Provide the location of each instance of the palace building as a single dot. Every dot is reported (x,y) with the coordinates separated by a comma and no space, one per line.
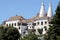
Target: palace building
(40,21)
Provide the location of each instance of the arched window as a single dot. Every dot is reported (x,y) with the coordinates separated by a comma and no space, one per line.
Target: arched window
(19,27)
(9,24)
(12,24)
(45,28)
(45,22)
(41,23)
(15,24)
(38,23)
(6,24)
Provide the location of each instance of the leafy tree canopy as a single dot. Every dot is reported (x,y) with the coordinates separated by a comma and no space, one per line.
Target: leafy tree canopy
(9,33)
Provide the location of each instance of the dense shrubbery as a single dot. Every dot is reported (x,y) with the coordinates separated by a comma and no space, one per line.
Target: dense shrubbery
(9,33)
(30,36)
(54,30)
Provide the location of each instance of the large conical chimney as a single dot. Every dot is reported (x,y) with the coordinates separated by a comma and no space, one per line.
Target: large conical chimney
(50,14)
(42,10)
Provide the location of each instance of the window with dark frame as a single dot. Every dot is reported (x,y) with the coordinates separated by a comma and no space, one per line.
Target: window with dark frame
(15,24)
(34,24)
(24,24)
(7,24)
(41,23)
(45,22)
(30,26)
(19,27)
(19,24)
(38,23)
(12,24)
(45,28)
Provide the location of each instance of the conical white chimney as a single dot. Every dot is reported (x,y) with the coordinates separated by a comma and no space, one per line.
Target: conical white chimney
(42,11)
(50,14)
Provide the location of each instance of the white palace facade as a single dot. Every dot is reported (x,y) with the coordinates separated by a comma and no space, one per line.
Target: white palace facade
(40,21)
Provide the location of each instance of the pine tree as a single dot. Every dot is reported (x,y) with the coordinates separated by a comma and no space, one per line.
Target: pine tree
(54,30)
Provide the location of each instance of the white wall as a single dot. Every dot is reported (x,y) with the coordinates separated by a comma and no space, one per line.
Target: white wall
(30,25)
(10,22)
(41,26)
(22,28)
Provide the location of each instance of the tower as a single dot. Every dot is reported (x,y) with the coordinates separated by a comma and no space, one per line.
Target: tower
(49,14)
(42,10)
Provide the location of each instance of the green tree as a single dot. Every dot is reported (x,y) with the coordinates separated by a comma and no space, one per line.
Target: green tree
(9,33)
(30,36)
(54,30)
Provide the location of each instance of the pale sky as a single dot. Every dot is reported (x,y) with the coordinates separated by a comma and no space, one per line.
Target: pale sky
(25,8)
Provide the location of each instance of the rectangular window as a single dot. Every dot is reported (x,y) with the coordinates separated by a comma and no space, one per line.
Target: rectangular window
(9,24)
(45,28)
(12,24)
(19,24)
(6,24)
(30,26)
(24,24)
(34,24)
(38,23)
(15,24)
(41,23)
